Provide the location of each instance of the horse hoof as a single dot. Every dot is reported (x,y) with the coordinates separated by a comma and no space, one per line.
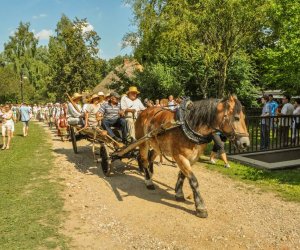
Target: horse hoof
(180,198)
(202,213)
(151,187)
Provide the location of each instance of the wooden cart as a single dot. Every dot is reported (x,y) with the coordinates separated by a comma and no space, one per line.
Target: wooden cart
(110,150)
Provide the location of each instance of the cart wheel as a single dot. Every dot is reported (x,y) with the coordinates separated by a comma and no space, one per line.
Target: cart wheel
(105,160)
(73,139)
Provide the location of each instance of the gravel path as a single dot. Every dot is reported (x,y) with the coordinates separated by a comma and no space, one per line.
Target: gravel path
(120,213)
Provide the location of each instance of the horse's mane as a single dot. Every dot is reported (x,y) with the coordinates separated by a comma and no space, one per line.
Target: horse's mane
(204,112)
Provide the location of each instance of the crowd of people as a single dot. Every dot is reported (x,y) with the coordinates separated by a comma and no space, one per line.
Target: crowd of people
(277,115)
(112,110)
(94,111)
(105,112)
(9,115)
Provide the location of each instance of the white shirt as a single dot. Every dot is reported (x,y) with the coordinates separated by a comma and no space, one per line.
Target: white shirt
(297,111)
(287,109)
(172,105)
(136,104)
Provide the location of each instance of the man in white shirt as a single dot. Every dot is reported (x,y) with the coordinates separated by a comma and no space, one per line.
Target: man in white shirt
(132,106)
(285,122)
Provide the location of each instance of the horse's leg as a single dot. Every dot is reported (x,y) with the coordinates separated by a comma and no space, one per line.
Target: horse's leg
(152,155)
(186,169)
(144,154)
(179,196)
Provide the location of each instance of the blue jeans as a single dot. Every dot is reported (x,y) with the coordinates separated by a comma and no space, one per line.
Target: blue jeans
(119,122)
(264,136)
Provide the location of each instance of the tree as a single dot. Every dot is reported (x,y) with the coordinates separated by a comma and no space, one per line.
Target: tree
(279,57)
(74,64)
(20,51)
(9,85)
(203,37)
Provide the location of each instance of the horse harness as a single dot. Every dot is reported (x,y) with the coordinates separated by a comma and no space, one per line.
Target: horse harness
(192,135)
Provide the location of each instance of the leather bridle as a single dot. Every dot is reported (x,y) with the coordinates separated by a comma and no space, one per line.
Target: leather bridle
(234,134)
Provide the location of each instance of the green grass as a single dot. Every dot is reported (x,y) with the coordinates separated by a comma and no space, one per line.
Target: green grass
(31,208)
(286,183)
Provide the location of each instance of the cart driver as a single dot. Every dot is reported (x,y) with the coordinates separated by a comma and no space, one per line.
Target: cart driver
(113,116)
(132,106)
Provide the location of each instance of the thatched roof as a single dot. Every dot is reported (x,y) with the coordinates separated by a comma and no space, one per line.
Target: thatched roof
(128,68)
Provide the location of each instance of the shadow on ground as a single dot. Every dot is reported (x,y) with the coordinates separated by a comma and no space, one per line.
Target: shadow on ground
(127,179)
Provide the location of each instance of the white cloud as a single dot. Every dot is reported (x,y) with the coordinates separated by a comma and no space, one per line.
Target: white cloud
(39,16)
(44,34)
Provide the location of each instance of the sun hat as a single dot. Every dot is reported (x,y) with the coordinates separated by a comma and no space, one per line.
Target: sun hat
(94,96)
(101,93)
(133,89)
(76,96)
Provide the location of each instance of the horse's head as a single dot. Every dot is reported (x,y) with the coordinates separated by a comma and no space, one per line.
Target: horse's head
(232,122)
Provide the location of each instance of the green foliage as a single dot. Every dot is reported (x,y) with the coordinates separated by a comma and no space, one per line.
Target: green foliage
(74,65)
(20,51)
(241,79)
(31,208)
(199,40)
(9,85)
(158,81)
(279,59)
(30,63)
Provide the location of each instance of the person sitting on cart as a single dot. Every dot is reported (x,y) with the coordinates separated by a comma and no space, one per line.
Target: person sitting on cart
(75,115)
(113,116)
(91,112)
(132,106)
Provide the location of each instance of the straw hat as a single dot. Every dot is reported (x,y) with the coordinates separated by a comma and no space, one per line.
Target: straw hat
(76,96)
(101,93)
(94,96)
(133,89)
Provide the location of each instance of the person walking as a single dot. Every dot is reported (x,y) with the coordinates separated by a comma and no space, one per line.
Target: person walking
(7,126)
(219,143)
(25,113)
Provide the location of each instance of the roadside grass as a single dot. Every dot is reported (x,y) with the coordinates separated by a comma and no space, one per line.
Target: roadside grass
(31,209)
(286,183)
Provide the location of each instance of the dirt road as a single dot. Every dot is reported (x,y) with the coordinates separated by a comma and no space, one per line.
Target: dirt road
(120,213)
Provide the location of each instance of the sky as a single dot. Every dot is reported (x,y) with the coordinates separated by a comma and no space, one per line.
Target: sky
(111,19)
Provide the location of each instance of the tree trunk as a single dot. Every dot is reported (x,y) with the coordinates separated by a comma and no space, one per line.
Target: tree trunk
(222,78)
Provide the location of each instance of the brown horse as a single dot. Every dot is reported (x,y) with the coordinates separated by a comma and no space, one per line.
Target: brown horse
(205,118)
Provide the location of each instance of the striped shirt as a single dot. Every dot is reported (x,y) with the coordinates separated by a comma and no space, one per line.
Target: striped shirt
(110,111)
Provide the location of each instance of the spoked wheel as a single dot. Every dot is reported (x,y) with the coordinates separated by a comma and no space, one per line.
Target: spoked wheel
(105,160)
(73,139)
